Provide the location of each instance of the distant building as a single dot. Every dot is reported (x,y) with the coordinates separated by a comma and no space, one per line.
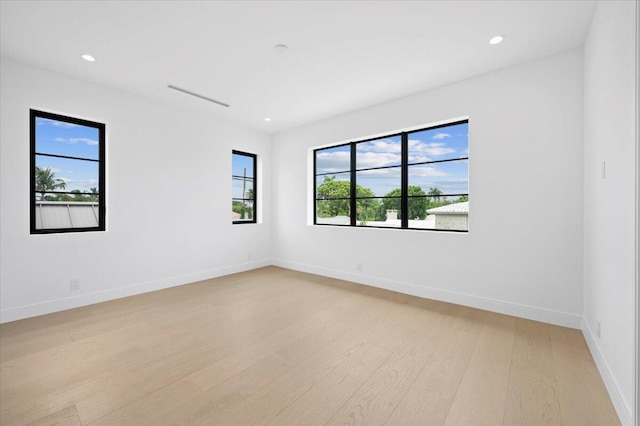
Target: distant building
(66,214)
(452,216)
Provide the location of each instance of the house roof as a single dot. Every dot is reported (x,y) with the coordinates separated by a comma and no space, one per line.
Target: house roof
(63,214)
(455,208)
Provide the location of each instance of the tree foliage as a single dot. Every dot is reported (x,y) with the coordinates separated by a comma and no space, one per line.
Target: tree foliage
(333,200)
(417,206)
(46,181)
(245,212)
(333,196)
(435,194)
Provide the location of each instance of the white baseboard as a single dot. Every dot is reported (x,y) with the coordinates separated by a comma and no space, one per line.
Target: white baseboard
(500,306)
(57,305)
(623,410)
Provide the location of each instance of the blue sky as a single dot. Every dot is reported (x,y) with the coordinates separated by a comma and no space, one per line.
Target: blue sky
(444,143)
(73,140)
(238,164)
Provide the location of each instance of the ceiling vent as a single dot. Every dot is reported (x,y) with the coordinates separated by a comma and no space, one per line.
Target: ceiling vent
(189,92)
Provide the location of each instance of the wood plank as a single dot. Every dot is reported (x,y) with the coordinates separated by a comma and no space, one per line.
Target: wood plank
(152,406)
(224,395)
(66,417)
(316,406)
(581,392)
(134,383)
(374,402)
(481,397)
(431,394)
(348,310)
(268,401)
(103,385)
(532,396)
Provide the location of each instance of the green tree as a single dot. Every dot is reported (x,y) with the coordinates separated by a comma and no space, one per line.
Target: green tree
(46,181)
(240,207)
(366,207)
(94,195)
(417,206)
(237,207)
(333,199)
(78,196)
(462,199)
(435,193)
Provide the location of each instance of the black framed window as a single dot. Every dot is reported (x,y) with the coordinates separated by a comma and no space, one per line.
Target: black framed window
(67,174)
(243,187)
(417,179)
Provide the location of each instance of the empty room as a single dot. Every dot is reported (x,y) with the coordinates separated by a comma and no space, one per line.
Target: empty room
(319,212)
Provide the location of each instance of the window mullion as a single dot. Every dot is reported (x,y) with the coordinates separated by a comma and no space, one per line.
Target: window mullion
(352,198)
(404,181)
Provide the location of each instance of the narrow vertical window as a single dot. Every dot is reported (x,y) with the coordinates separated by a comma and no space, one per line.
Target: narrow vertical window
(243,187)
(67,174)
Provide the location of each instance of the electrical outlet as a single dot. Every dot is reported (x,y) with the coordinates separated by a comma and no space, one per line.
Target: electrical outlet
(359,266)
(598,329)
(74,285)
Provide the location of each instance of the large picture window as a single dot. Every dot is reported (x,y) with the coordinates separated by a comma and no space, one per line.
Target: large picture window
(417,179)
(67,174)
(243,187)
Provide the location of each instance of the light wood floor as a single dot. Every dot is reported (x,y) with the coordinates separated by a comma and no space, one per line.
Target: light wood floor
(279,347)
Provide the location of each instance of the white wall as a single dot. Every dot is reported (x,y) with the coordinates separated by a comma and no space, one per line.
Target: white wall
(609,204)
(168,198)
(523,255)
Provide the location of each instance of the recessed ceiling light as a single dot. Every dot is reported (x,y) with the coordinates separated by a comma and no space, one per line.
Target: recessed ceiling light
(267,119)
(88,58)
(281,48)
(496,39)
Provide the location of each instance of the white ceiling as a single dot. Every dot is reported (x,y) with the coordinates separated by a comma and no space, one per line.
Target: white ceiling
(343,55)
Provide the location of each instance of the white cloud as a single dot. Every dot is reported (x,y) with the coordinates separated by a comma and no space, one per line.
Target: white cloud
(439,136)
(56,123)
(439,150)
(457,186)
(83,140)
(377,159)
(79,184)
(330,162)
(53,169)
(380,145)
(418,159)
(426,171)
(434,149)
(381,153)
(87,183)
(381,173)
(77,140)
